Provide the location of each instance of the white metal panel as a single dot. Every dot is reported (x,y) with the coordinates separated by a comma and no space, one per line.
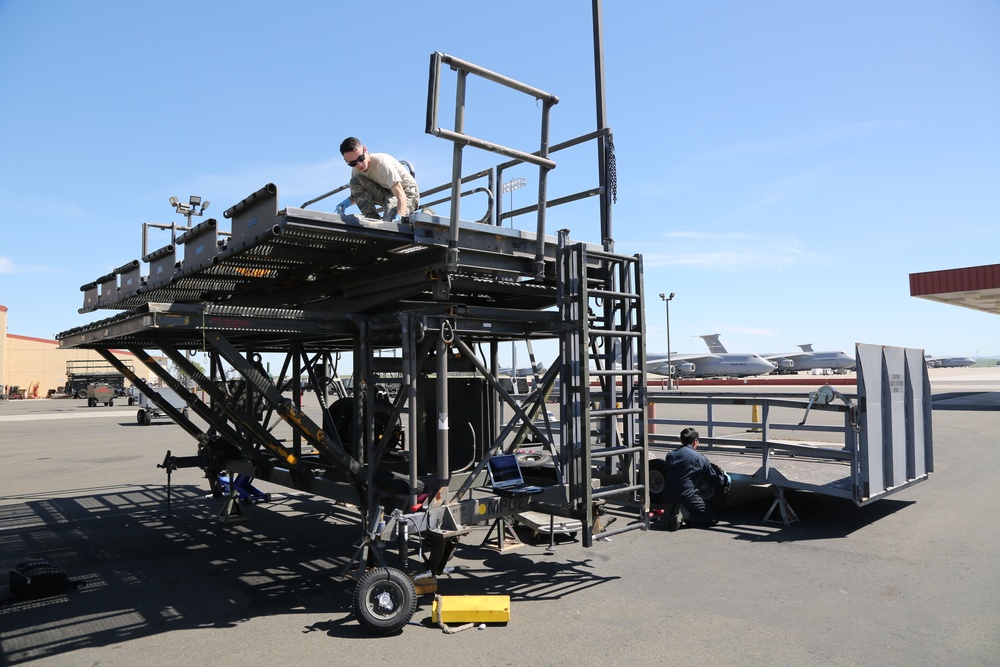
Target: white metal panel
(894,383)
(921,456)
(869,358)
(895,439)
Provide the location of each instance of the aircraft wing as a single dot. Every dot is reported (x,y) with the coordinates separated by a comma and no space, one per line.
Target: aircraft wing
(685,364)
(786,360)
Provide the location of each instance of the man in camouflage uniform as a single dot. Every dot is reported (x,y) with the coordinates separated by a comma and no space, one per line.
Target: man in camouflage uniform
(378,180)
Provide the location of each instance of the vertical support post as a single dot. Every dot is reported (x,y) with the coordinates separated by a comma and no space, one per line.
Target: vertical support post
(494,184)
(602,123)
(456,172)
(296,351)
(409,386)
(325,378)
(497,410)
(444,466)
(539,264)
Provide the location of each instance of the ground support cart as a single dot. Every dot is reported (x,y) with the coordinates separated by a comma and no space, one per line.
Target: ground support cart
(149,408)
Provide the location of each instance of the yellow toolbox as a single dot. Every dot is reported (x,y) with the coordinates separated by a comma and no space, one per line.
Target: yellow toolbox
(471,609)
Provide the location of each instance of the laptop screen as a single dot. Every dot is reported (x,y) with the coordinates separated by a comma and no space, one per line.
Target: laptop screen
(504,470)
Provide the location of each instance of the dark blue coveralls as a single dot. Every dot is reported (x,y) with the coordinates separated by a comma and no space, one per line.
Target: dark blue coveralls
(684,467)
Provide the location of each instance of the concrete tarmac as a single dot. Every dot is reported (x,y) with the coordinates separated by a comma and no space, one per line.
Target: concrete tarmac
(909,580)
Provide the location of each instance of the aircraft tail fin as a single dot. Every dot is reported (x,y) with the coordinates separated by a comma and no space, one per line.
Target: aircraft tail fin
(808,347)
(714,345)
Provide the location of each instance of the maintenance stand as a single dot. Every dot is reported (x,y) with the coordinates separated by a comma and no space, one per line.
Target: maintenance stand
(440,295)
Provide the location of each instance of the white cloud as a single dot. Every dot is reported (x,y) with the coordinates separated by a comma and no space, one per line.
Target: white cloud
(41,208)
(747,331)
(728,251)
(298,181)
(8,266)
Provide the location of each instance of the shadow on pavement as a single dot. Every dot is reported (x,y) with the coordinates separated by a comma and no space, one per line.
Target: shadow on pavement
(820,518)
(139,573)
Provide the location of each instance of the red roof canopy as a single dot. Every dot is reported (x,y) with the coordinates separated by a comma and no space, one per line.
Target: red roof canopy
(975,287)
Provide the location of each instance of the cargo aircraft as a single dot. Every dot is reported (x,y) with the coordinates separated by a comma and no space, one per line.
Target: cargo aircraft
(949,362)
(808,359)
(716,363)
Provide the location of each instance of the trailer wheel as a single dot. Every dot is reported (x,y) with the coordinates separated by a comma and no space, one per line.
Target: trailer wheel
(714,496)
(111,403)
(81,393)
(384,600)
(140,416)
(657,481)
(533,459)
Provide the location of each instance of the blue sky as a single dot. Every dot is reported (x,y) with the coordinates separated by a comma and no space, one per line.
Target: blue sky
(782,166)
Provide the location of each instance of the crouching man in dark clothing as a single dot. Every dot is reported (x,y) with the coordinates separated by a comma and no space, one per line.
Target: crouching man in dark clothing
(685,467)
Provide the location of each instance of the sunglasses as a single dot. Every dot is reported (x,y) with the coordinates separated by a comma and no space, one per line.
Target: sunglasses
(361,159)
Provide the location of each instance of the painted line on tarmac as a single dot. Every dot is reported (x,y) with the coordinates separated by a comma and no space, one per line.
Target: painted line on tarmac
(63,415)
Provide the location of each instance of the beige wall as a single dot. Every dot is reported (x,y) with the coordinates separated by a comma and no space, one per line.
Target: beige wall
(25,361)
(3,346)
(32,360)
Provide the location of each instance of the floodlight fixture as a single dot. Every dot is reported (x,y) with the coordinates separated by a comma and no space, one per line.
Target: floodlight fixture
(195,206)
(510,186)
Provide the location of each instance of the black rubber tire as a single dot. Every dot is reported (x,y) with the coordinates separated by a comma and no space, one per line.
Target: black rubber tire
(140,416)
(656,483)
(81,393)
(714,496)
(111,403)
(147,418)
(91,402)
(384,600)
(533,459)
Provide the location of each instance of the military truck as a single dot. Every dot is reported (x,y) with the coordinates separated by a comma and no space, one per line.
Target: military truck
(82,373)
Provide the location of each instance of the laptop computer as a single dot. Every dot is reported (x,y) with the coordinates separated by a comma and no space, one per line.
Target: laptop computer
(506,478)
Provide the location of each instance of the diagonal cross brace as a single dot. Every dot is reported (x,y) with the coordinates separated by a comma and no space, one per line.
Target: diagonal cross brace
(330,447)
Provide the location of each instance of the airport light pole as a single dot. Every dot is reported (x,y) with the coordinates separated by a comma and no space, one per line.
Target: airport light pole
(195,206)
(670,365)
(510,186)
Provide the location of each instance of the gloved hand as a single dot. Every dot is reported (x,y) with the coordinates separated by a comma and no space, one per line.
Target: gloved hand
(342,206)
(729,480)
